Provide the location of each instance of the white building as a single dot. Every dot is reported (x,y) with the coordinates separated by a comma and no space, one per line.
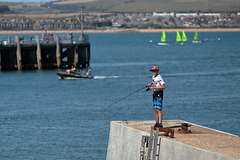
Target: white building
(164,14)
(186,14)
(210,14)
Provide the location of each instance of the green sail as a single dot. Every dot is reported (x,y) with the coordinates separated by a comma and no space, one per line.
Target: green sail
(178,38)
(163,39)
(184,37)
(196,35)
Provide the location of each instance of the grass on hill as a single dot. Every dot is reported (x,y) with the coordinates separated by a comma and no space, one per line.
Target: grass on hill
(125,6)
(156,5)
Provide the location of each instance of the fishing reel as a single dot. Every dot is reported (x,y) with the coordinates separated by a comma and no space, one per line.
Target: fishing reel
(148,88)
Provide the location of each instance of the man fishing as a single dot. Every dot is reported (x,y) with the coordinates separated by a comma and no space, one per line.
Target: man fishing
(158,85)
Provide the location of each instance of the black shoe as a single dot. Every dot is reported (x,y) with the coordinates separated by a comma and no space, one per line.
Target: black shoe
(160,125)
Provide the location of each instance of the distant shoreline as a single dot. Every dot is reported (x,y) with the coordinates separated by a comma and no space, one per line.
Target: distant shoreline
(123,31)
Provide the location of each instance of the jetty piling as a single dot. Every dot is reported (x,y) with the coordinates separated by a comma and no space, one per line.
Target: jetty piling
(58,52)
(39,59)
(38,54)
(75,56)
(19,56)
(9,39)
(0,62)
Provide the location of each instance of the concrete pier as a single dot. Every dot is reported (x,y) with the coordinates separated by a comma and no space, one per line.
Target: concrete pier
(200,143)
(20,55)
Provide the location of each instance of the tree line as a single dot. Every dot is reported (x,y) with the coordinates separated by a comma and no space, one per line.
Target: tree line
(4,8)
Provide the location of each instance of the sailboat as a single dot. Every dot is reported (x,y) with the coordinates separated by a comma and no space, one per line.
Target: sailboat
(196,40)
(178,39)
(184,37)
(163,40)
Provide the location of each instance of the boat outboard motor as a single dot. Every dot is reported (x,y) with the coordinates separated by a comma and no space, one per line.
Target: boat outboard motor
(83,72)
(88,72)
(80,72)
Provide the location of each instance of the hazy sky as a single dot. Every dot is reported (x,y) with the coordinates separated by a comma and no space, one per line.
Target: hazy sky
(26,0)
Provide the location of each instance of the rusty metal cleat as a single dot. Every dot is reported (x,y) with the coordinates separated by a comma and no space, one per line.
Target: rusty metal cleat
(168,130)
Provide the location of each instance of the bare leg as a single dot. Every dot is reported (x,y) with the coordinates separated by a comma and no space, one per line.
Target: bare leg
(156,115)
(160,116)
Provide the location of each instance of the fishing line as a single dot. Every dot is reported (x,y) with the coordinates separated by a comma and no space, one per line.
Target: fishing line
(130,95)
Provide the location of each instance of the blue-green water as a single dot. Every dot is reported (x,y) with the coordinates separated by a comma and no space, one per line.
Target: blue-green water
(43,117)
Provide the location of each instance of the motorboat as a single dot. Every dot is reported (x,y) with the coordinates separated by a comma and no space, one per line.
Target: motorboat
(65,75)
(70,75)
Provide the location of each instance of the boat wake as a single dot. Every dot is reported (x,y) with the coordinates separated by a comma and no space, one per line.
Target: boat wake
(105,77)
(135,76)
(216,73)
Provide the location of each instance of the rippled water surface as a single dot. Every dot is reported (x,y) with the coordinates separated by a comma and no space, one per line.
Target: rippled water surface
(43,117)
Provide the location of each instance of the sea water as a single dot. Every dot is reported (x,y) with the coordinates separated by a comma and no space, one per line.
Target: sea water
(43,117)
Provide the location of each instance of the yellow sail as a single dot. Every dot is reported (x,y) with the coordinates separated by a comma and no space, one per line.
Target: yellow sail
(184,37)
(178,38)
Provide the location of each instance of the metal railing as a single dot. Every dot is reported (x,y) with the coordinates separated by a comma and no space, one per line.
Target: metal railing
(50,38)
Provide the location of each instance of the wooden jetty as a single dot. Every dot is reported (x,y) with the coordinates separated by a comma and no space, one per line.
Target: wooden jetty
(43,55)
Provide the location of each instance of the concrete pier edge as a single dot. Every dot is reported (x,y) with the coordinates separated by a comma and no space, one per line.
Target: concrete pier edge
(125,143)
(212,129)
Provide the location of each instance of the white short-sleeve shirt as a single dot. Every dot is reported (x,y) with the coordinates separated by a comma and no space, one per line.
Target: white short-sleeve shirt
(157,81)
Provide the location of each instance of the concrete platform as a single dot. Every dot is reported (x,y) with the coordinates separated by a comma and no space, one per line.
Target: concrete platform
(202,143)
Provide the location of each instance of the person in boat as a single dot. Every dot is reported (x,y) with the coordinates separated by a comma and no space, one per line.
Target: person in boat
(158,85)
(68,71)
(73,70)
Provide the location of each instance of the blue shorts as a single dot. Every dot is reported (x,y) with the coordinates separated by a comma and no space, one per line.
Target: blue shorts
(157,103)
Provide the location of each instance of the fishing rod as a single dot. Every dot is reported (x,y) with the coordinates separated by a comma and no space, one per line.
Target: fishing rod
(130,95)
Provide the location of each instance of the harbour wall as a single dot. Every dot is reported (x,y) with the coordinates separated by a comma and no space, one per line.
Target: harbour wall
(42,55)
(125,143)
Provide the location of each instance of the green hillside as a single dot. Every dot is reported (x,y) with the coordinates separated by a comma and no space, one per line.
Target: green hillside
(128,6)
(157,5)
